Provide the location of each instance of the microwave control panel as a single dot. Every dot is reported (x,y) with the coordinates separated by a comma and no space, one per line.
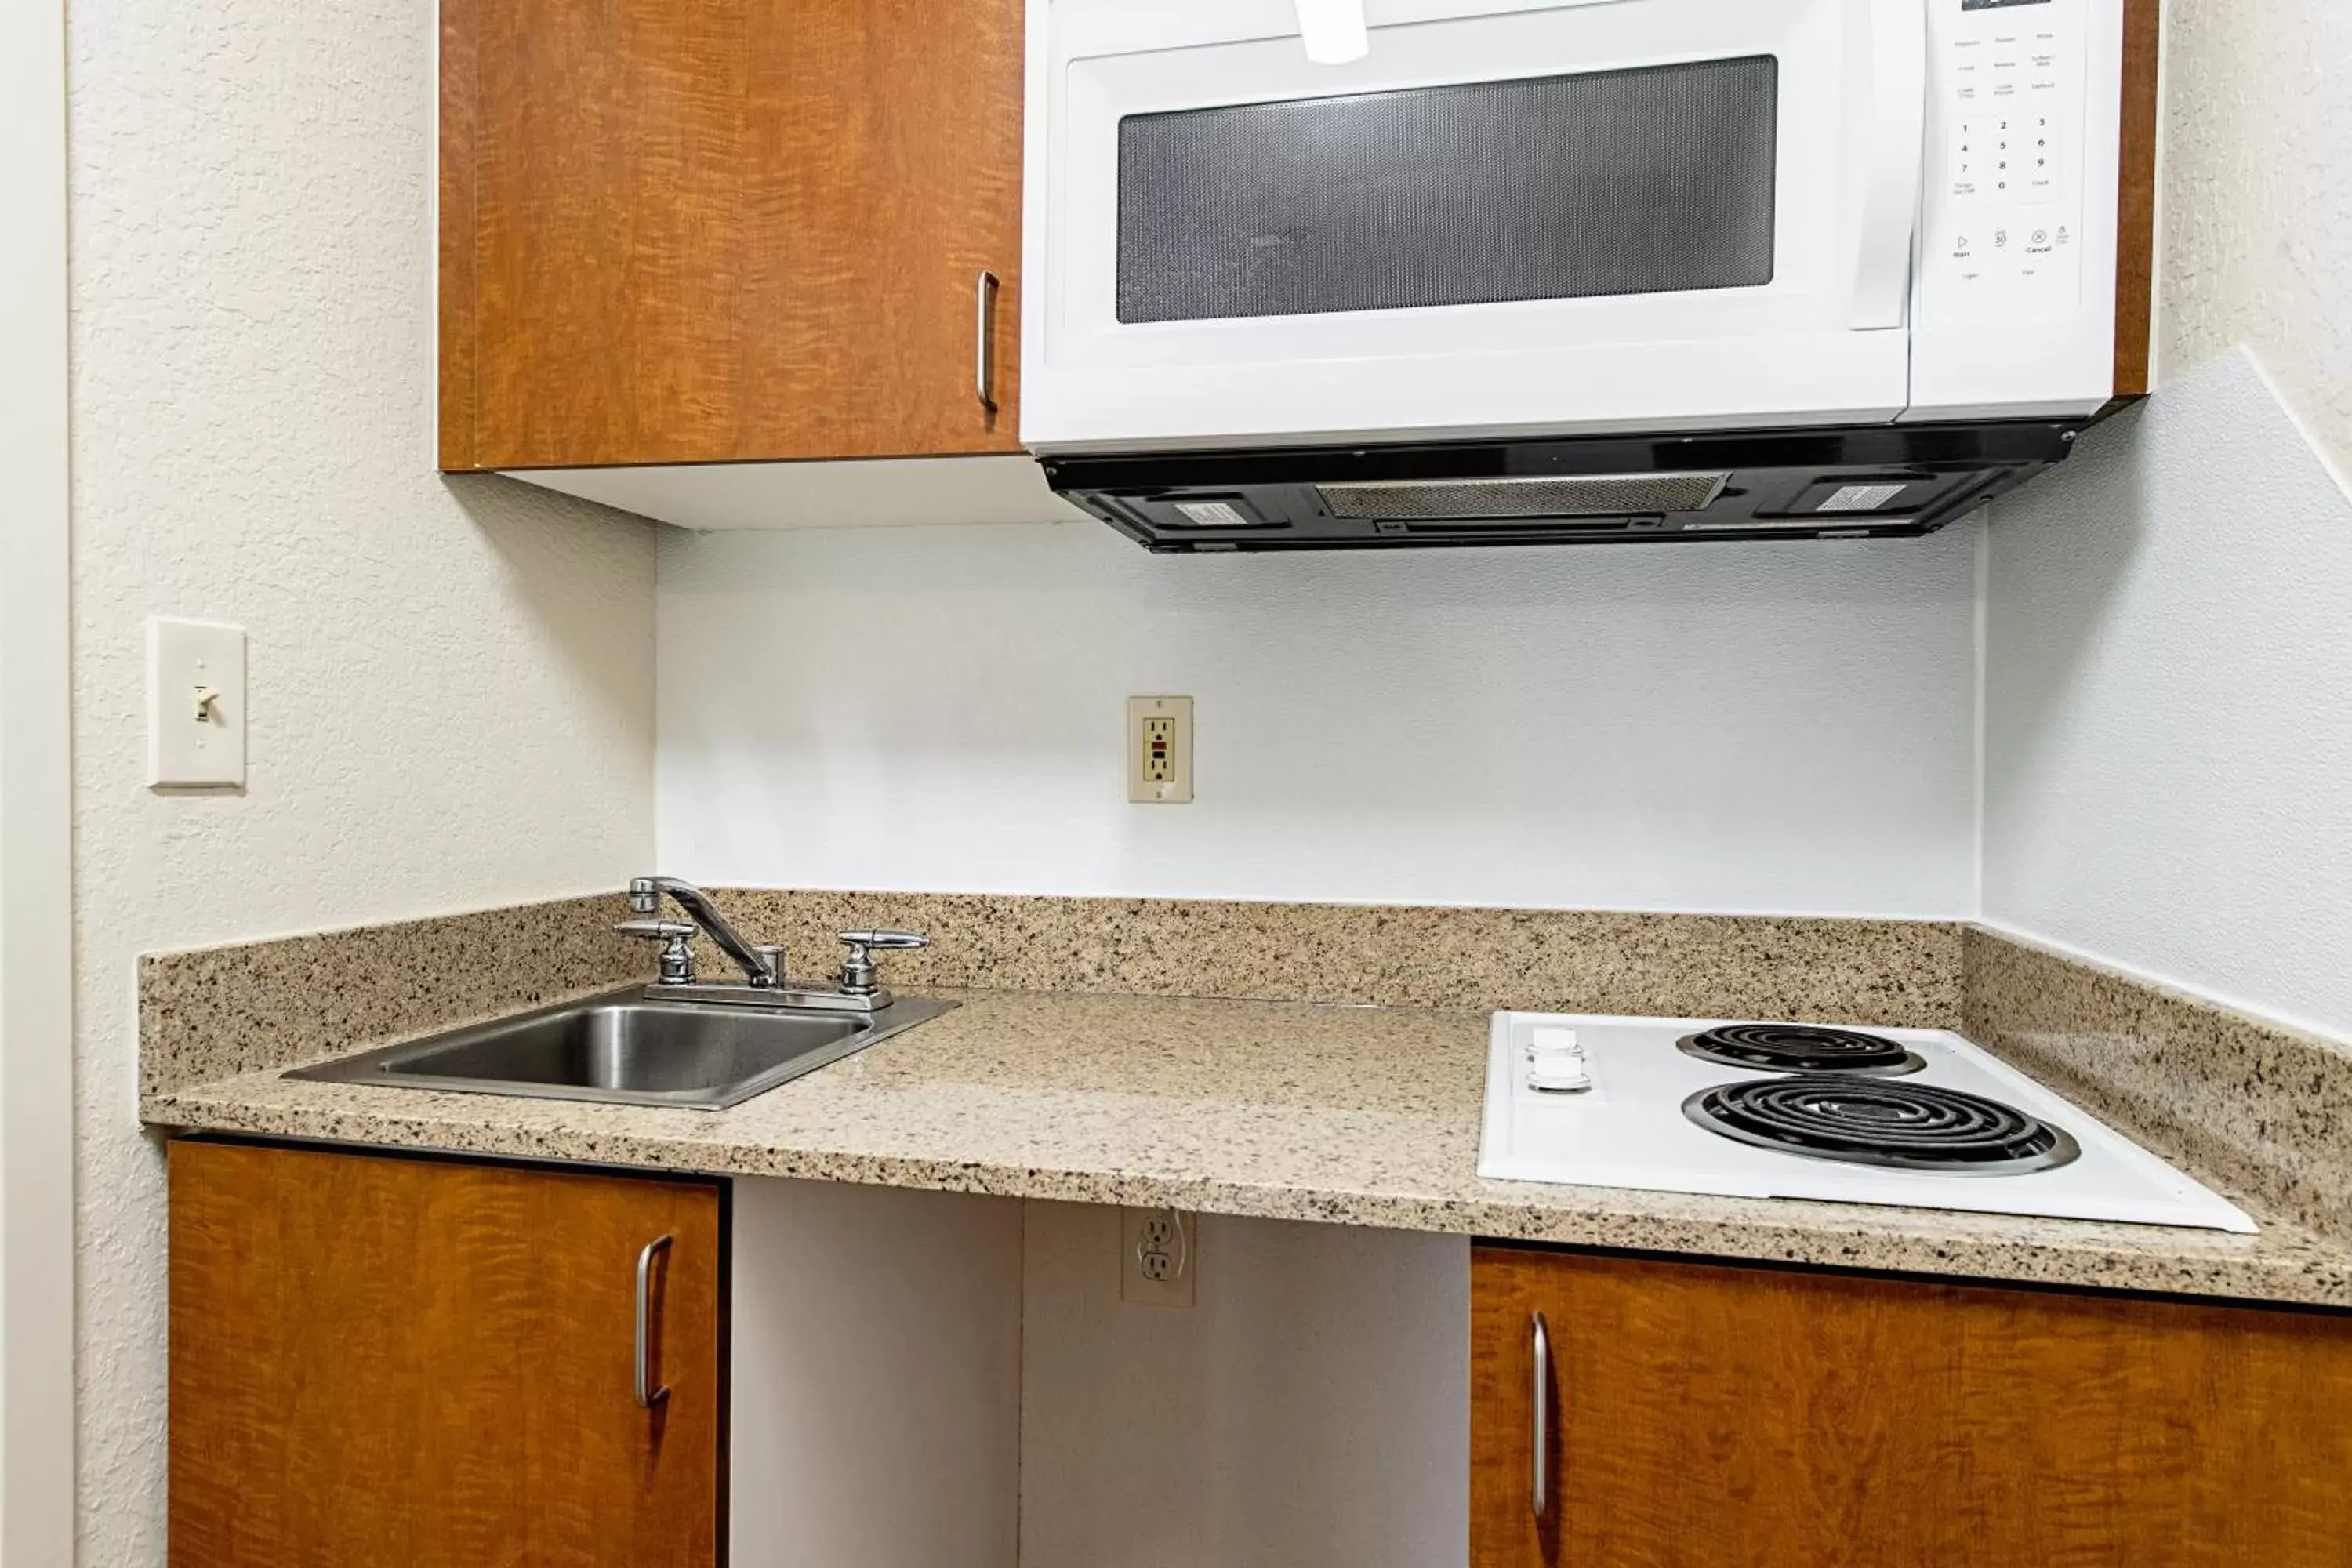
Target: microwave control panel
(2002,229)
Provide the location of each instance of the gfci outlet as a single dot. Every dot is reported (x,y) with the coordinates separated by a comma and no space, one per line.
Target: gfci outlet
(1158,1258)
(1160,751)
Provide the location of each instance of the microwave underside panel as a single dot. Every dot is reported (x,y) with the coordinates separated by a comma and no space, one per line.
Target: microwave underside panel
(1877,482)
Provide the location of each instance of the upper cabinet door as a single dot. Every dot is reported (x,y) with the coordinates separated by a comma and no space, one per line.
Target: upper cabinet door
(681,231)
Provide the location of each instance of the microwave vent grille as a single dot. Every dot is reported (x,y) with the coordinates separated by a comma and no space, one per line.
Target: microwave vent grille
(1581,495)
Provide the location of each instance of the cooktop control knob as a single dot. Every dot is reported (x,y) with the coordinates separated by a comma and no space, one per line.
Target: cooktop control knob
(1555,1062)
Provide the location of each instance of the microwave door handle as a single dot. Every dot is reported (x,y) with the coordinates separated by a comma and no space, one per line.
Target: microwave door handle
(1887,47)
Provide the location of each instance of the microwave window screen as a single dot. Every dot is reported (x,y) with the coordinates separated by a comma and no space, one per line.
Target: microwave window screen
(1654,181)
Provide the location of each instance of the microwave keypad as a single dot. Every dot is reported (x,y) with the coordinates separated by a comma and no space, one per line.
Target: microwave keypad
(2005,160)
(2004,209)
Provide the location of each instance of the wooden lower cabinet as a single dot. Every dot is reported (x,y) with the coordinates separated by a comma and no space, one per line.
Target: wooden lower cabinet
(389,1362)
(1705,1416)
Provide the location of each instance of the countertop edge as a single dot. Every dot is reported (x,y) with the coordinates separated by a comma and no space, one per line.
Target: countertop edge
(2289,1267)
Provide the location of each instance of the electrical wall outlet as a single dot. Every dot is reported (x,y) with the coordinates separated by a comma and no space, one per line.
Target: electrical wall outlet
(1160,751)
(1159,1257)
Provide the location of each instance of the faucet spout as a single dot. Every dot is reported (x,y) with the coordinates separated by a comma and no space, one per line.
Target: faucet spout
(646,896)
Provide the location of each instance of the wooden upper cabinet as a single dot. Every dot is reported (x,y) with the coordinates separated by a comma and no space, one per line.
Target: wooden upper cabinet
(1701,1417)
(681,231)
(385,1363)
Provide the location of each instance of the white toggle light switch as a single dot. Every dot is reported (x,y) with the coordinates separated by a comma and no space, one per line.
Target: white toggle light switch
(196,704)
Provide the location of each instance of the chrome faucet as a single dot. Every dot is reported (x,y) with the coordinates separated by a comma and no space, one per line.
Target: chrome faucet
(763,967)
(857,989)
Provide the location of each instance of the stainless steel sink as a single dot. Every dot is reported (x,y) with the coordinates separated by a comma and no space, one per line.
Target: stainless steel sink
(627,1048)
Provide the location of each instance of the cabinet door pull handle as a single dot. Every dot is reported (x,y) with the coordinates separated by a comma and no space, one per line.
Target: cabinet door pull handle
(647,1394)
(1539,1493)
(984,332)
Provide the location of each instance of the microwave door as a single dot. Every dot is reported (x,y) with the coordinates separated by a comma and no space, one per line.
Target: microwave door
(1661,214)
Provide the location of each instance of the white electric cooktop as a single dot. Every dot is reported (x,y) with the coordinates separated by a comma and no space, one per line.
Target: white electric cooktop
(1913,1118)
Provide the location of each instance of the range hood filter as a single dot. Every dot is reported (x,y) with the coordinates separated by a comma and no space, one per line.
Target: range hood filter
(1543,496)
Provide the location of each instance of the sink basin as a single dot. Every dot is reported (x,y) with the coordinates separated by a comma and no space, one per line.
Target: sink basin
(627,1049)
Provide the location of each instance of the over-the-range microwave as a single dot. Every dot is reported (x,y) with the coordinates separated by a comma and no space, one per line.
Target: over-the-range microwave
(1563,270)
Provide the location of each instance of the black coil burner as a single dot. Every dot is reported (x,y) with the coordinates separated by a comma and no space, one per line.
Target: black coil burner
(1875,1121)
(1800,1048)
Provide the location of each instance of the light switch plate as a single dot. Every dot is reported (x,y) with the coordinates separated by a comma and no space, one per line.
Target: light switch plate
(1160,751)
(196,704)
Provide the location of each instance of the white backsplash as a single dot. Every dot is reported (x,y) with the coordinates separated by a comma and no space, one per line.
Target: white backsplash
(1740,727)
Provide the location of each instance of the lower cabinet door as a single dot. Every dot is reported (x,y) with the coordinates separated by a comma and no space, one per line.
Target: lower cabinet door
(388,1363)
(1701,1417)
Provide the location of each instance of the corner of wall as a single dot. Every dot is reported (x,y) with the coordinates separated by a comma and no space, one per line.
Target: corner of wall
(2336,463)
(2165,739)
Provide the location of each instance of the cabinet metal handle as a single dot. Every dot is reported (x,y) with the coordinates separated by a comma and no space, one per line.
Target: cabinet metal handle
(647,1394)
(1539,1493)
(984,332)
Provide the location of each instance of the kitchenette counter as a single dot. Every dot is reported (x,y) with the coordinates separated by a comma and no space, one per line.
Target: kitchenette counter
(1349,1115)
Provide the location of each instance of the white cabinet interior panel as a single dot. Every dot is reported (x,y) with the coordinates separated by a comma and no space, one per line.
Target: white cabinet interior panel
(1311,1410)
(934,1380)
(882,493)
(875,1381)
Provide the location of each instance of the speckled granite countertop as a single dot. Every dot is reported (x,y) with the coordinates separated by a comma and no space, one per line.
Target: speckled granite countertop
(1350,1115)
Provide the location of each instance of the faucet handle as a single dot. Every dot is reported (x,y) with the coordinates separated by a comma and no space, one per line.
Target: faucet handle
(885,938)
(677,937)
(857,965)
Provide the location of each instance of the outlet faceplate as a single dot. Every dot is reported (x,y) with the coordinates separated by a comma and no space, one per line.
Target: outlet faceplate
(1159,1257)
(1160,751)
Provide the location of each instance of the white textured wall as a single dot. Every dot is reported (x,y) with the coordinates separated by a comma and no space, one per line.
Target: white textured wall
(1726,727)
(450,686)
(2257,198)
(2168,697)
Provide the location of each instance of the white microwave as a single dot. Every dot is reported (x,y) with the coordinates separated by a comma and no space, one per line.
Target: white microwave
(1559,218)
